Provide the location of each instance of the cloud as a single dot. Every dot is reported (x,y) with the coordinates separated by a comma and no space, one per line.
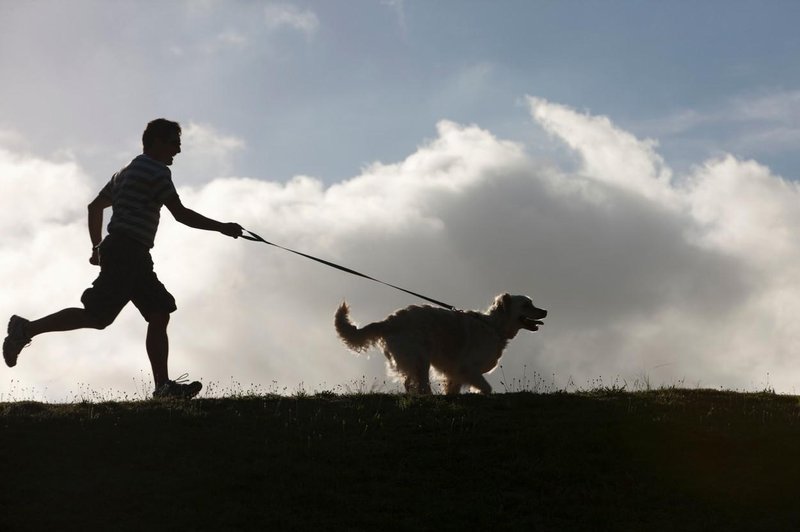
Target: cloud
(212,153)
(764,123)
(646,274)
(36,190)
(288,16)
(767,123)
(608,153)
(780,106)
(724,272)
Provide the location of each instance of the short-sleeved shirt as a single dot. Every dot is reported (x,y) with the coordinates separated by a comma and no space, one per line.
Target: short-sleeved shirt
(137,193)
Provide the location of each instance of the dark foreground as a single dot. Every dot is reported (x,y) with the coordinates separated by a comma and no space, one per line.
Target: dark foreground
(660,460)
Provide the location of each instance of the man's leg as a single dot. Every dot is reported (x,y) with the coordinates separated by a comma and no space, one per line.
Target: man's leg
(158,351)
(157,344)
(68,319)
(155,304)
(22,331)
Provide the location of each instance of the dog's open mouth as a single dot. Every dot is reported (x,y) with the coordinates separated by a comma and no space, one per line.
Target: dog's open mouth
(531,324)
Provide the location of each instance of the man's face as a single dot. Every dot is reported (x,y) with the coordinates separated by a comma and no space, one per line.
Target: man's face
(165,150)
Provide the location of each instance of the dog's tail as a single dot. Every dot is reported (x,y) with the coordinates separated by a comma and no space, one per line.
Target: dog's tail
(358,340)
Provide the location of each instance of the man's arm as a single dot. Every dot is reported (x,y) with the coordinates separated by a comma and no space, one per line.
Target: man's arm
(96,208)
(194,219)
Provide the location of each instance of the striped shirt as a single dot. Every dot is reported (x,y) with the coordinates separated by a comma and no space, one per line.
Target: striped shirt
(137,193)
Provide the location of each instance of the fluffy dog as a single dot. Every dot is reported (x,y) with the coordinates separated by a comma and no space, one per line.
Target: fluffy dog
(461,345)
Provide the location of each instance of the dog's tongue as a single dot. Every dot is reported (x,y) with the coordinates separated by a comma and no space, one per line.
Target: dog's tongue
(531,324)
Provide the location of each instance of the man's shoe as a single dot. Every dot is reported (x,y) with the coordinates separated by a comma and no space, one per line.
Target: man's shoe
(178,389)
(16,340)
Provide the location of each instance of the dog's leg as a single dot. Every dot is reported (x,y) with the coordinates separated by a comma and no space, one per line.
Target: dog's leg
(452,387)
(416,379)
(481,384)
(410,370)
(418,384)
(423,379)
(407,361)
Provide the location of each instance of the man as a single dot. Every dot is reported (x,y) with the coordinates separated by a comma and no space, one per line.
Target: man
(135,194)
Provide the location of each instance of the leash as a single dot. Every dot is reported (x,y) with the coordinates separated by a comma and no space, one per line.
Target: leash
(255,238)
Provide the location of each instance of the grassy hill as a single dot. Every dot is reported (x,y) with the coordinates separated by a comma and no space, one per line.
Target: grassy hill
(669,459)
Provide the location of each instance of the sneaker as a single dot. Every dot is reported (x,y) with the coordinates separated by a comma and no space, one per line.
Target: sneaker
(16,340)
(178,389)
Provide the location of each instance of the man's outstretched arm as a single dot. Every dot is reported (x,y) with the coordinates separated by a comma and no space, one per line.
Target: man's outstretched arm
(194,219)
(96,208)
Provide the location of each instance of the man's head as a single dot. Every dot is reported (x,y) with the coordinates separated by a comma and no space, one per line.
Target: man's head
(161,140)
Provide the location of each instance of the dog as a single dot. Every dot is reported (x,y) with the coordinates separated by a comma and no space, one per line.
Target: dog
(461,345)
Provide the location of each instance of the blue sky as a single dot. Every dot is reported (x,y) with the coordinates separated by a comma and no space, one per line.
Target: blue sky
(366,80)
(630,165)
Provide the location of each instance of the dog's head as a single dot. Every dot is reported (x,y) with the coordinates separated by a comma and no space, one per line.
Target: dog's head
(517,312)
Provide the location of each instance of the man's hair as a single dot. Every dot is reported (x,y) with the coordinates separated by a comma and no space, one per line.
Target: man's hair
(160,128)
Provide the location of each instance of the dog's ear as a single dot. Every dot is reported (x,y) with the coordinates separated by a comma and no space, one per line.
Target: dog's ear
(502,303)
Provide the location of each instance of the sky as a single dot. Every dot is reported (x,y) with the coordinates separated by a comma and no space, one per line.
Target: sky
(631,166)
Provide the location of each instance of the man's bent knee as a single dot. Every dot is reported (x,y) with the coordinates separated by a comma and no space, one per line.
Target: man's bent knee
(158,319)
(98,320)
(100,323)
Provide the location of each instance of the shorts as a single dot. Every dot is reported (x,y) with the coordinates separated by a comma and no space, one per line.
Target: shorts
(126,274)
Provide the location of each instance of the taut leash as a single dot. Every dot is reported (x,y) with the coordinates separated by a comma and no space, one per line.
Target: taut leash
(255,238)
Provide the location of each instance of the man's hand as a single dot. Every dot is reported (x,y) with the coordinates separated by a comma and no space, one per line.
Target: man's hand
(194,219)
(231,229)
(96,208)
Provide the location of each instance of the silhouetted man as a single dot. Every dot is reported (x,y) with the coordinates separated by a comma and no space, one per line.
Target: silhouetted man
(135,194)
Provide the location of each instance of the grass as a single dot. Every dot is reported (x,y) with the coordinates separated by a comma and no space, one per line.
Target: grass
(602,459)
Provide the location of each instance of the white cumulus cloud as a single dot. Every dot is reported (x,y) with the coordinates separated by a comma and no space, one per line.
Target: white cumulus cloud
(212,152)
(607,152)
(686,278)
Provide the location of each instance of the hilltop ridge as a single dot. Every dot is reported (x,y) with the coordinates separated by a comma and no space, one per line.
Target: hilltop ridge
(668,459)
